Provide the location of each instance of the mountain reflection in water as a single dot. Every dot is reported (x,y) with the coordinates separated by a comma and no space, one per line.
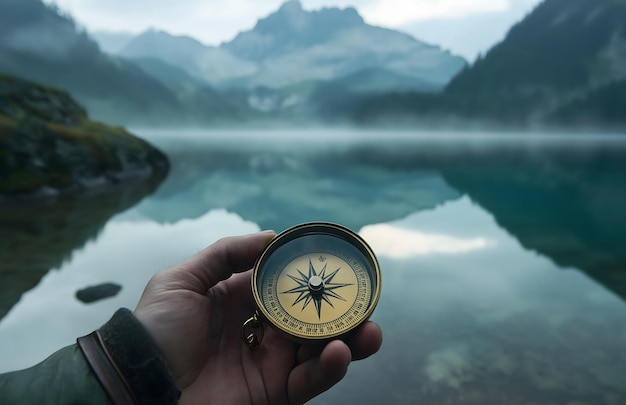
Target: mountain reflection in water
(39,237)
(503,259)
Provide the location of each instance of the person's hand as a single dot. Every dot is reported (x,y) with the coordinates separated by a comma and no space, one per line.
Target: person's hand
(195,311)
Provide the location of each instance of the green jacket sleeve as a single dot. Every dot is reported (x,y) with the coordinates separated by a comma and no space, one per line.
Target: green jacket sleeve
(63,378)
(67,377)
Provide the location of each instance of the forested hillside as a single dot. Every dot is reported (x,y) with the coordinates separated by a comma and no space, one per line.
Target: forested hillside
(564,64)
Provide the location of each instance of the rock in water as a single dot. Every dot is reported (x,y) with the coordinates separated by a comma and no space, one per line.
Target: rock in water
(98,292)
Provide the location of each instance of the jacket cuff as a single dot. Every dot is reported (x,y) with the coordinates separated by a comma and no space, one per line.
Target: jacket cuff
(132,355)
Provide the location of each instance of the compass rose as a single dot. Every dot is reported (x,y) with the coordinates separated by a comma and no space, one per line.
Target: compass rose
(316,287)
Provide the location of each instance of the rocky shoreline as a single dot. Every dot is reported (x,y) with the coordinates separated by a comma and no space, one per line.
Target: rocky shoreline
(83,186)
(49,148)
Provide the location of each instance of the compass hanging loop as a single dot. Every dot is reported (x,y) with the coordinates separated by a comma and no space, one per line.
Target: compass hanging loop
(252,332)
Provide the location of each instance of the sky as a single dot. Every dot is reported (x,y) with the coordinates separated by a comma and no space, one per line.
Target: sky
(465,27)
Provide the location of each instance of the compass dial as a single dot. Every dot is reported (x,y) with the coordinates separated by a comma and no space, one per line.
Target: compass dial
(316,281)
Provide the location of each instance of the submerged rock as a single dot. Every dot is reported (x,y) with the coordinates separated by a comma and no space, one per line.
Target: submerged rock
(98,292)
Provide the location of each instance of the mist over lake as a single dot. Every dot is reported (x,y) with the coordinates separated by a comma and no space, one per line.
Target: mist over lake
(502,254)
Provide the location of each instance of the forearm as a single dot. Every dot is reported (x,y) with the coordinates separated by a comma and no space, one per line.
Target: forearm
(120,363)
(65,377)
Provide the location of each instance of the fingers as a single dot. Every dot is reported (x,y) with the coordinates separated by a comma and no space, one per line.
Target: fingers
(366,340)
(322,367)
(307,352)
(318,374)
(223,258)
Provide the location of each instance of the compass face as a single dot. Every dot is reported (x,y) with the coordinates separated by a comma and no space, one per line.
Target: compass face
(316,281)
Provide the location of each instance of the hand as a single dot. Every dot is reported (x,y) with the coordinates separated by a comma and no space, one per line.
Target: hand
(195,311)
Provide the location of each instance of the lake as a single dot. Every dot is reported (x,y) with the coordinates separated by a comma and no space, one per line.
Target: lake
(503,256)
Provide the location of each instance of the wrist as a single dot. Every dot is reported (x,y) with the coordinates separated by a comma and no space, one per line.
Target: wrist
(136,357)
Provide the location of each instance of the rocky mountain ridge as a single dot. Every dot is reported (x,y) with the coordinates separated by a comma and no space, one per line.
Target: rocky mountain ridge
(294,45)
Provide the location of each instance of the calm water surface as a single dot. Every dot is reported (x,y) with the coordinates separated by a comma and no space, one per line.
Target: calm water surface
(503,257)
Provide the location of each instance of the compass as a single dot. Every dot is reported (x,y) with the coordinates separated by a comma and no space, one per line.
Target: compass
(314,282)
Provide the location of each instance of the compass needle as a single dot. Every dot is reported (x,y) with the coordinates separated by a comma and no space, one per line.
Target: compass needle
(308,299)
(318,307)
(304,278)
(323,272)
(335,286)
(311,269)
(301,297)
(331,276)
(335,295)
(325,298)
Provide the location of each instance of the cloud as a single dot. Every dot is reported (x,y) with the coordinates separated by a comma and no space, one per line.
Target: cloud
(398,243)
(394,13)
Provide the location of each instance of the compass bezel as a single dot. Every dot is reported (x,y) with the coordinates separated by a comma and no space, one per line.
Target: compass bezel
(317,228)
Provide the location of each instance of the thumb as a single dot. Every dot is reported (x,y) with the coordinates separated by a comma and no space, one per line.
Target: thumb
(223,258)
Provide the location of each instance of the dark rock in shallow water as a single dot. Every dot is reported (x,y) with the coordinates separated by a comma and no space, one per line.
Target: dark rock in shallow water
(98,292)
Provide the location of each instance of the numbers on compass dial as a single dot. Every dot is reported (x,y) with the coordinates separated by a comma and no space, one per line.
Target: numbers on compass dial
(317,287)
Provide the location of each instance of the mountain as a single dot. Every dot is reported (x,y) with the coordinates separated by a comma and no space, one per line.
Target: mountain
(211,64)
(198,98)
(40,43)
(111,41)
(293,45)
(565,60)
(328,100)
(380,80)
(298,65)
(293,30)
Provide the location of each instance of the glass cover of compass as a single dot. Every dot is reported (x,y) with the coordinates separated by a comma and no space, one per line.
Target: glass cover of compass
(316,281)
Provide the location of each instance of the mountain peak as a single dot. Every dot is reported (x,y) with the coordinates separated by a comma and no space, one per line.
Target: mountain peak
(291,6)
(290,28)
(157,42)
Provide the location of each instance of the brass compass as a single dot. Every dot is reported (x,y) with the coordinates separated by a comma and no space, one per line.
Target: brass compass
(314,282)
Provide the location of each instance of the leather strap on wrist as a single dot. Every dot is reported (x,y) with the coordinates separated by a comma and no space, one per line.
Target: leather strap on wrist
(105,369)
(126,359)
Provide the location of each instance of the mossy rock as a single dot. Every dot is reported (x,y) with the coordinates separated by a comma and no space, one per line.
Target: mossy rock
(48,142)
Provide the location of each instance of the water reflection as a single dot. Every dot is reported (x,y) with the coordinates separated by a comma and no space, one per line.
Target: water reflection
(400,243)
(503,260)
(280,184)
(561,198)
(126,252)
(495,325)
(36,238)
